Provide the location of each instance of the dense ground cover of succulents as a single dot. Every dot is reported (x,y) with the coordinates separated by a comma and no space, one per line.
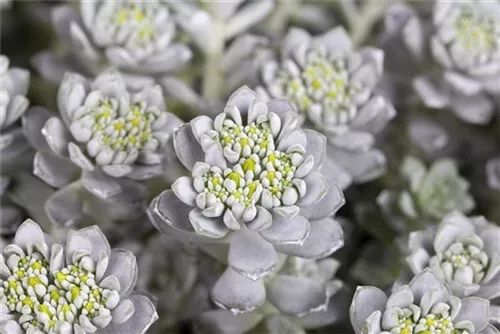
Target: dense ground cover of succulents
(250,166)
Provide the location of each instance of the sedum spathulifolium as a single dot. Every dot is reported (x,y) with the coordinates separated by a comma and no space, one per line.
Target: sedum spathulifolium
(135,37)
(105,141)
(427,195)
(463,252)
(332,86)
(255,188)
(456,51)
(81,287)
(425,305)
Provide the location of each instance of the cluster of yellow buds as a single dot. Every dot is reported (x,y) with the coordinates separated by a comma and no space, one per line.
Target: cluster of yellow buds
(115,134)
(438,321)
(47,302)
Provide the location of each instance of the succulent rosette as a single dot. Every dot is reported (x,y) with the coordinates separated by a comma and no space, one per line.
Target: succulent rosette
(256,186)
(136,37)
(461,251)
(302,294)
(104,141)
(429,194)
(461,39)
(425,305)
(82,287)
(332,86)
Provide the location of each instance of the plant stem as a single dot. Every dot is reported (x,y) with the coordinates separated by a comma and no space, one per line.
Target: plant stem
(350,12)
(213,79)
(278,20)
(372,12)
(361,22)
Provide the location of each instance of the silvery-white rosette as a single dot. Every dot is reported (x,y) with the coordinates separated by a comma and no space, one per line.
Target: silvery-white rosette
(256,186)
(101,147)
(458,46)
(136,37)
(427,195)
(333,88)
(463,252)
(424,305)
(82,287)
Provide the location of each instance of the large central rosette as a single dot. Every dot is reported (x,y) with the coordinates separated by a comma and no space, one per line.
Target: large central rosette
(256,183)
(266,167)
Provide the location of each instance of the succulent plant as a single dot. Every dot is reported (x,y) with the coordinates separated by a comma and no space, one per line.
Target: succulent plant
(213,145)
(429,194)
(106,140)
(256,184)
(332,86)
(462,42)
(425,305)
(462,252)
(82,287)
(136,37)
